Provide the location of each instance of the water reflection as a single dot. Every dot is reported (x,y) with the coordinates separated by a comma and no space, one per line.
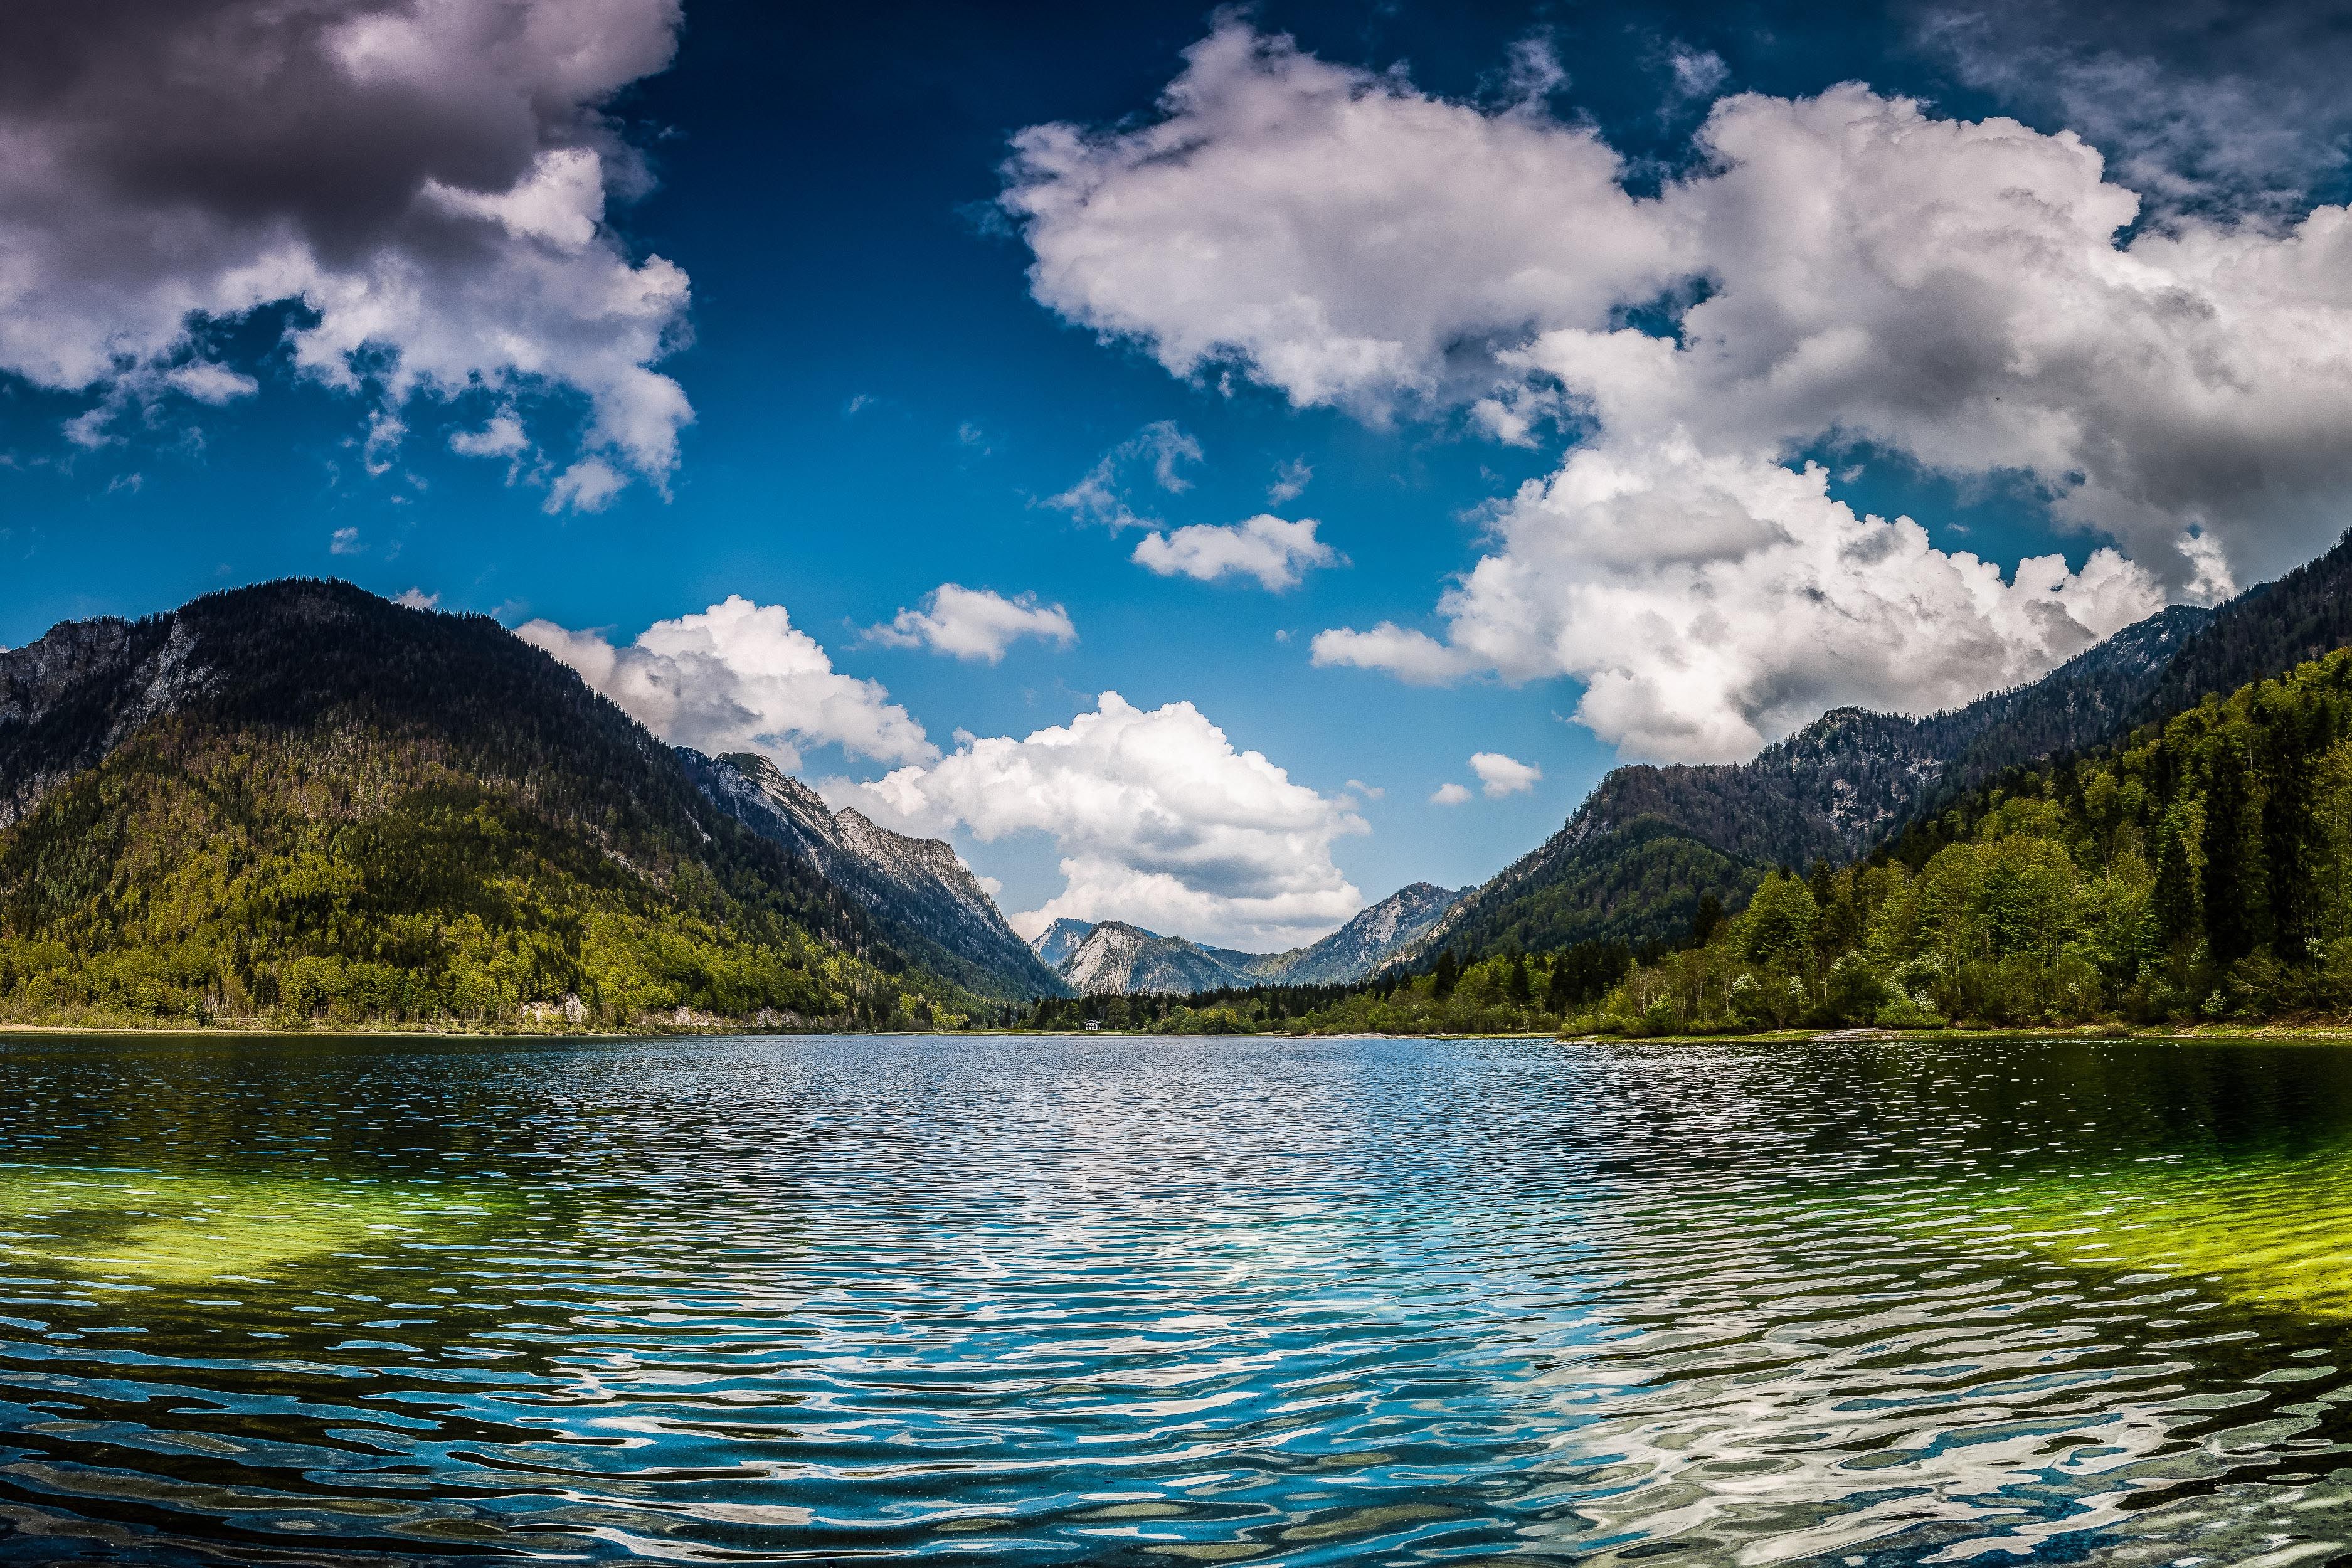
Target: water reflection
(1117,1301)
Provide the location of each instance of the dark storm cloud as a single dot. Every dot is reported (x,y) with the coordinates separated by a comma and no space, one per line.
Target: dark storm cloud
(427,176)
(2200,105)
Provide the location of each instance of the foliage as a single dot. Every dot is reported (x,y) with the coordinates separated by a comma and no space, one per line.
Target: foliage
(372,814)
(2200,868)
(1507,993)
(1644,882)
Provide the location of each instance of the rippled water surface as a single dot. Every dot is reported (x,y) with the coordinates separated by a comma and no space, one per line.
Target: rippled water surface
(1152,1301)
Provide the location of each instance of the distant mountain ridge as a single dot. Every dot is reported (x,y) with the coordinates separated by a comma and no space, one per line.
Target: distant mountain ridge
(1061,939)
(1113,958)
(1118,959)
(1633,862)
(919,884)
(2265,631)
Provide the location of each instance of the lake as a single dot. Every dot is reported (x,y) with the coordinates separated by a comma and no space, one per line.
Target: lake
(1153,1301)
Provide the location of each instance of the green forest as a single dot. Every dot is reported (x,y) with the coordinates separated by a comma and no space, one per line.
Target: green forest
(2199,870)
(405,819)
(216,880)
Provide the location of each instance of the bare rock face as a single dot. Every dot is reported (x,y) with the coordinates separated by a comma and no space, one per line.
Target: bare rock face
(1058,941)
(1369,940)
(1113,958)
(919,884)
(1118,959)
(71,698)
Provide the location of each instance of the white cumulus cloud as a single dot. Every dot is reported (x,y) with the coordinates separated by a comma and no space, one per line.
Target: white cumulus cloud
(739,676)
(416,599)
(1449,795)
(1711,603)
(502,437)
(1409,655)
(1159,820)
(1265,547)
(1501,775)
(426,180)
(1847,271)
(975,623)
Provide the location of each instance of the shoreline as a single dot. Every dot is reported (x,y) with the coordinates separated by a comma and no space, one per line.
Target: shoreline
(2279,1033)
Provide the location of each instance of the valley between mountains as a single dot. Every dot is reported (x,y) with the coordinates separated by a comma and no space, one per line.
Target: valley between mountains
(299,804)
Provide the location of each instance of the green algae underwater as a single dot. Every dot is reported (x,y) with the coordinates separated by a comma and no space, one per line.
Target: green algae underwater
(133,1229)
(1145,1301)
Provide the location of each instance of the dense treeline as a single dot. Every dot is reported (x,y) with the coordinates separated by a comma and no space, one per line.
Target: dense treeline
(1503,994)
(366,814)
(2200,869)
(1641,883)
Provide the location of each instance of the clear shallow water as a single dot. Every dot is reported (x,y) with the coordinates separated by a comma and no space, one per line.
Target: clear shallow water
(1163,1301)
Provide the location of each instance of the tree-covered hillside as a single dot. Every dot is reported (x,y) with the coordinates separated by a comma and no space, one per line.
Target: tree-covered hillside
(349,810)
(1639,882)
(2200,868)
(1635,859)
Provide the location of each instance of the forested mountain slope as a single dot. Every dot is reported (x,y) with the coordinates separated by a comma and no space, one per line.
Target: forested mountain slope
(2199,869)
(2265,631)
(300,800)
(1636,859)
(951,926)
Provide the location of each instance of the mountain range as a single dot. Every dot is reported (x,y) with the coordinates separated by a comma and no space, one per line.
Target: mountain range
(1111,957)
(1635,860)
(919,884)
(298,800)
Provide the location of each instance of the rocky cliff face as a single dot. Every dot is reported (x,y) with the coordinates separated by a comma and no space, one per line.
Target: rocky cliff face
(1117,958)
(1058,941)
(1367,942)
(918,884)
(71,698)
(1114,958)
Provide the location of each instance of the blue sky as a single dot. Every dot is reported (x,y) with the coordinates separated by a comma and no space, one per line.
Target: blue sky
(880,404)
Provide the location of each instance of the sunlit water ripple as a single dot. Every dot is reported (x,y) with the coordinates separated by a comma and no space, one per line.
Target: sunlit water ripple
(1151,1301)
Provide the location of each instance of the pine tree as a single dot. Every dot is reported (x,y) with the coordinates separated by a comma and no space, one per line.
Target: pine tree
(1557,995)
(1517,987)
(1449,975)
(1709,917)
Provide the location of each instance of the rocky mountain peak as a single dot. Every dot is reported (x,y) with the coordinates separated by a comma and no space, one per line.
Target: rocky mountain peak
(919,884)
